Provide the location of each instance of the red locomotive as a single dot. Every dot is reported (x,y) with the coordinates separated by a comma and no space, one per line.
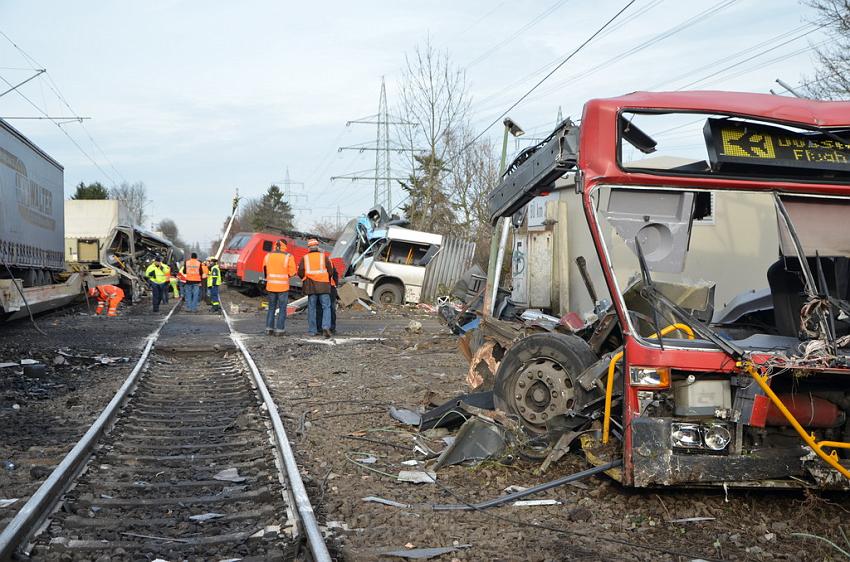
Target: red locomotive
(242,261)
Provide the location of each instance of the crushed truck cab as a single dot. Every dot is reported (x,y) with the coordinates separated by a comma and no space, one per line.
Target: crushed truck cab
(720,354)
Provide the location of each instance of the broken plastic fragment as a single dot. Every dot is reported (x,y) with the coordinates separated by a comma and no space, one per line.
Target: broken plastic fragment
(417,476)
(229,475)
(205,517)
(405,416)
(384,501)
(533,503)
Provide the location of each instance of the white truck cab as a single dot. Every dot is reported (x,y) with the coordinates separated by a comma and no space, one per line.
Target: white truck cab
(388,263)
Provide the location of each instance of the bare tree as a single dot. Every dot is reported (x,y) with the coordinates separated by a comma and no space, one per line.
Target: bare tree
(832,77)
(327,229)
(471,178)
(169,229)
(435,98)
(135,197)
(474,173)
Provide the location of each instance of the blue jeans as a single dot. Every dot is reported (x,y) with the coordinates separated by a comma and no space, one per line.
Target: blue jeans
(214,298)
(319,312)
(312,303)
(156,295)
(277,302)
(193,296)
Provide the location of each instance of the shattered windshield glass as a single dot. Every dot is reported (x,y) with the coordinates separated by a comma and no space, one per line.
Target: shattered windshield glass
(725,257)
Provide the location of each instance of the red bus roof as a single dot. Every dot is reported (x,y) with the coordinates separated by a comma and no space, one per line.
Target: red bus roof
(813,113)
(598,139)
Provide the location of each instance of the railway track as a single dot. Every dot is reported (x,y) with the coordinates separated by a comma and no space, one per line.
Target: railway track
(189,461)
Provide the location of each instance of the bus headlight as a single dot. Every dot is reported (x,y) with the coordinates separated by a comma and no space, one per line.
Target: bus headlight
(686,435)
(716,436)
(650,376)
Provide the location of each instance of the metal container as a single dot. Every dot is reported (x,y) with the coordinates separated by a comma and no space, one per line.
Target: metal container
(31,207)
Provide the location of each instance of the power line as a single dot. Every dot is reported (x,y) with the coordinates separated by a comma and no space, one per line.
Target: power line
(730,57)
(54,87)
(769,62)
(666,34)
(516,34)
(641,11)
(550,73)
(748,59)
(59,125)
(19,84)
(575,51)
(383,148)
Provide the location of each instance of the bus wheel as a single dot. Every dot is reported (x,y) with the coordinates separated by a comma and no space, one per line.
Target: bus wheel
(389,293)
(537,379)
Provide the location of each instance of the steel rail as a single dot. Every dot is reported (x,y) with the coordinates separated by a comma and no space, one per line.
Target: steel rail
(40,505)
(316,542)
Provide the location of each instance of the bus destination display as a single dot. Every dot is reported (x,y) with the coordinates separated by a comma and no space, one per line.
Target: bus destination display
(740,142)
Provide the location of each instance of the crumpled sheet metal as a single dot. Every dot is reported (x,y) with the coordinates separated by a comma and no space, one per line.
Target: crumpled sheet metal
(477,440)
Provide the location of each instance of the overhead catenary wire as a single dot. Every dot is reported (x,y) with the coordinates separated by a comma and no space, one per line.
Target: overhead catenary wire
(564,61)
(768,62)
(767,46)
(495,95)
(573,53)
(650,42)
(749,58)
(54,87)
(537,19)
(58,124)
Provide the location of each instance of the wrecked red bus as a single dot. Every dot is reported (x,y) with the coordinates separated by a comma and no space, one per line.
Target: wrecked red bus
(718,350)
(242,260)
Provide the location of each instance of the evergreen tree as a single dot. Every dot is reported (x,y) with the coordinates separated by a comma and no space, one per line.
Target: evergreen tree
(428,206)
(94,190)
(272,212)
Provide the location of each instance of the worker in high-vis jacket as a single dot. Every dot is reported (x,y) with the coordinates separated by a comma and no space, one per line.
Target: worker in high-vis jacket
(174,280)
(213,283)
(107,296)
(315,271)
(195,273)
(157,275)
(278,267)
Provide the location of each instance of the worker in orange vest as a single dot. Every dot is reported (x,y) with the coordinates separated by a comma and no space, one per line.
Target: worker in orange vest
(316,270)
(334,297)
(278,267)
(107,295)
(195,272)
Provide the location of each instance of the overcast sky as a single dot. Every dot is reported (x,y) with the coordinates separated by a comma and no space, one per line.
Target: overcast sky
(196,98)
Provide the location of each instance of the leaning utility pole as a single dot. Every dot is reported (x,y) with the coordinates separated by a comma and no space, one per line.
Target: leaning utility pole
(229,225)
(384,147)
